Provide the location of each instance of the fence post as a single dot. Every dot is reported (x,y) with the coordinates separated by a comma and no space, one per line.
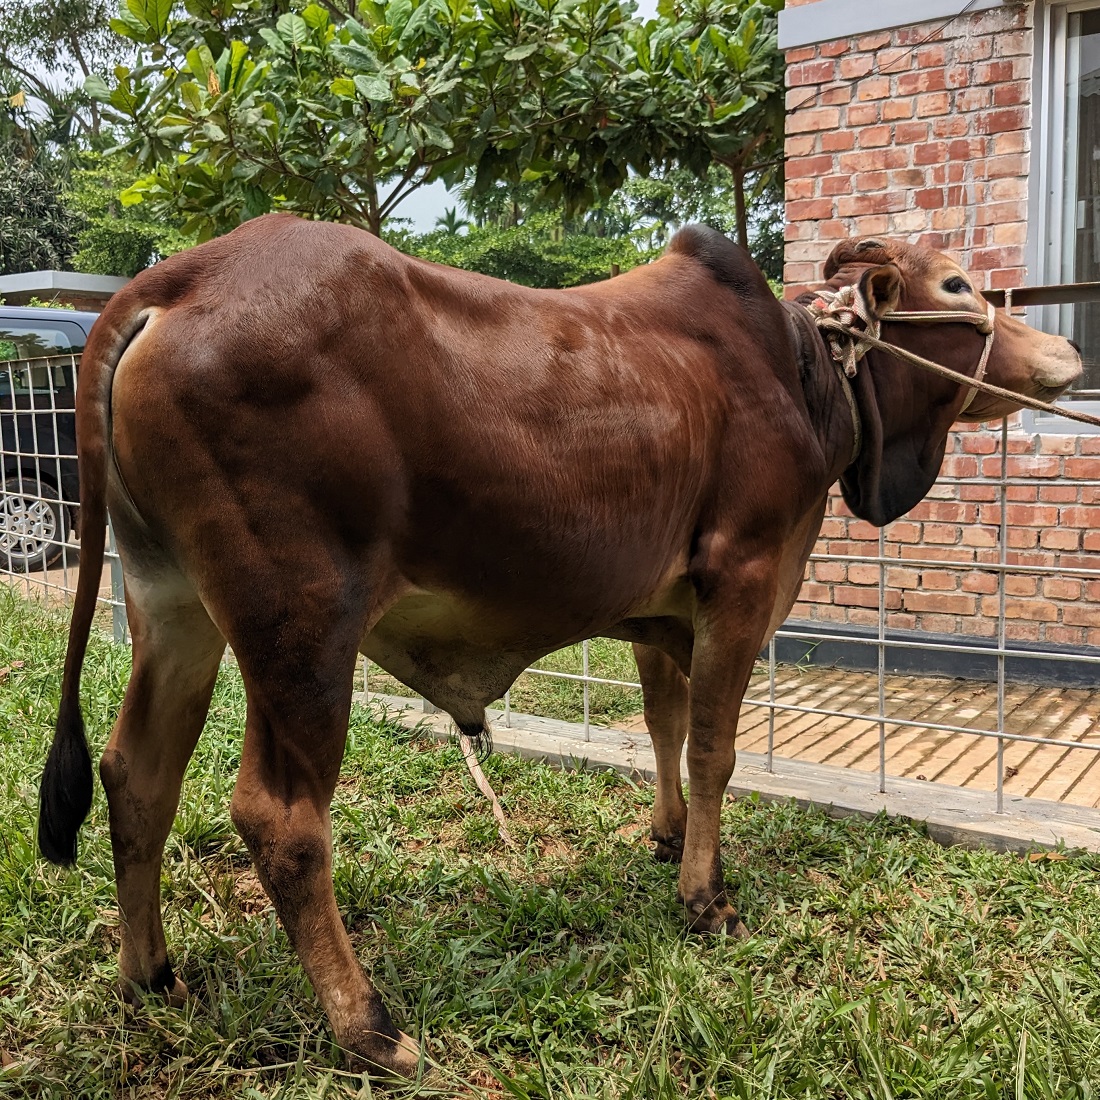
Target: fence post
(118,593)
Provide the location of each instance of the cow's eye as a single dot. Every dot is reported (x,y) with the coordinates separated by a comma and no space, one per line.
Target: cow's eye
(957,286)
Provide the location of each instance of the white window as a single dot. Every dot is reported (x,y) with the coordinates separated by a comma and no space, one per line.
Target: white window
(1065,192)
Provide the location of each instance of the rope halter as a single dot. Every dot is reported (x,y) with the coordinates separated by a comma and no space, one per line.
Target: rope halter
(852,329)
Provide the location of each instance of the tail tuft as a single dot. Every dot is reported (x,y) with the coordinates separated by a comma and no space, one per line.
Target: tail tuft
(65,796)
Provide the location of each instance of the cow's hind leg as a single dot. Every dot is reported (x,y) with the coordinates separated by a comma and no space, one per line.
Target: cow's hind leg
(176,651)
(298,677)
(666,695)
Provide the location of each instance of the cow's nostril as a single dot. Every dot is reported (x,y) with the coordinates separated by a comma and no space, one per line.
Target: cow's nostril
(1076,346)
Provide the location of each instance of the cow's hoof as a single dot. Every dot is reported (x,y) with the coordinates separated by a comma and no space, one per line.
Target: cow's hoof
(668,849)
(714,920)
(379,1054)
(135,994)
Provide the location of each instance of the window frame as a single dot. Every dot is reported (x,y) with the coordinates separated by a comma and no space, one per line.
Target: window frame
(1047,247)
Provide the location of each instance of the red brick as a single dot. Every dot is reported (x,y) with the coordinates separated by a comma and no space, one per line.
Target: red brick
(798,167)
(985,583)
(872,137)
(836,185)
(941,602)
(894,109)
(830,571)
(863,114)
(1021,586)
(1035,610)
(1009,95)
(935,103)
(811,72)
(884,202)
(870,181)
(862,573)
(1086,468)
(1081,615)
(910,133)
(838,141)
(950,126)
(945,534)
(1061,588)
(930,198)
(823,118)
(799,146)
(1087,518)
(932,153)
(848,596)
(809,209)
(856,67)
(993,72)
(902,531)
(877,87)
(1059,539)
(802,53)
(939,580)
(923,80)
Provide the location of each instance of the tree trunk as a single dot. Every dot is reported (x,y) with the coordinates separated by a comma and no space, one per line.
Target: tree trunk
(740,206)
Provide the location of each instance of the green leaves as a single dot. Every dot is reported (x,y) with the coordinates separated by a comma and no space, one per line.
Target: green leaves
(343,118)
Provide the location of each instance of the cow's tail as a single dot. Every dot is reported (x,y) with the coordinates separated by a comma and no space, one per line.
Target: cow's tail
(65,796)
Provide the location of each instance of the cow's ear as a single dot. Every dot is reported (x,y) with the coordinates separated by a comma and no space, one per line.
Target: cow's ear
(881,287)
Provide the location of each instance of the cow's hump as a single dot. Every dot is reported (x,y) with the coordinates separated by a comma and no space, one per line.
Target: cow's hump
(728,262)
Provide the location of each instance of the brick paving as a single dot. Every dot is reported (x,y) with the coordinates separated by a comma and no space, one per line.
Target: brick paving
(1055,773)
(1051,772)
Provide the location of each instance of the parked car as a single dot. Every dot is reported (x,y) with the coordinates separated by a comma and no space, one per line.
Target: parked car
(39,488)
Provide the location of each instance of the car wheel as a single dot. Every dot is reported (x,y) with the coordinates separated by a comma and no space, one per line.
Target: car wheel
(33,526)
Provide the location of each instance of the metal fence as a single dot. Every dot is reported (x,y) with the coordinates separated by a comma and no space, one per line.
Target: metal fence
(37,521)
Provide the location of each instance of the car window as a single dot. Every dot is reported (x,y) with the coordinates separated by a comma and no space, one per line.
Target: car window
(35,340)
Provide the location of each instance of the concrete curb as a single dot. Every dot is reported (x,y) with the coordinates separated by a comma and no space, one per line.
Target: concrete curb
(952,815)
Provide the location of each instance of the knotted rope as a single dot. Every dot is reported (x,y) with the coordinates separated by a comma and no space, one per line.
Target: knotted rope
(837,313)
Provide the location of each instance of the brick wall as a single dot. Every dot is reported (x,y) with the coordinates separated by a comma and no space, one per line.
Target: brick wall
(923,133)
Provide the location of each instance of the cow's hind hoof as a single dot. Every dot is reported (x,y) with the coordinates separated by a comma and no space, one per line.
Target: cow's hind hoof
(668,849)
(380,1055)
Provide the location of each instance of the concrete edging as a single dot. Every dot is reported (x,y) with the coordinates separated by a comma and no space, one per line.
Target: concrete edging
(952,815)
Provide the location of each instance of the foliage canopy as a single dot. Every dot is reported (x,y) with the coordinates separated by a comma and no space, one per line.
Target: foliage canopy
(237,109)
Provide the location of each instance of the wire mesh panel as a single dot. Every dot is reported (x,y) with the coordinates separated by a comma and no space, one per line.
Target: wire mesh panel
(990,732)
(40,488)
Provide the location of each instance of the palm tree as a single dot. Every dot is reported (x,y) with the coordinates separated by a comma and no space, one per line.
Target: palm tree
(450,222)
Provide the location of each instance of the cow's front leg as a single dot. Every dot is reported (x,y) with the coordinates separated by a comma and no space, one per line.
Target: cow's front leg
(730,630)
(665,691)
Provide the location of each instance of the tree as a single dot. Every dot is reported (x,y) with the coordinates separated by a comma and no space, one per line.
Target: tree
(67,39)
(115,239)
(537,252)
(36,231)
(709,85)
(450,222)
(245,107)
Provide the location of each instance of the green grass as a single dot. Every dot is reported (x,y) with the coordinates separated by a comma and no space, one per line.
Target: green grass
(882,966)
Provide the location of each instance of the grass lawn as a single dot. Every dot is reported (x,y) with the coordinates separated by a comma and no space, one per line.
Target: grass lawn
(882,966)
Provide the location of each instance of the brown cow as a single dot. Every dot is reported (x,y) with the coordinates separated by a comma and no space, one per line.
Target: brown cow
(313,447)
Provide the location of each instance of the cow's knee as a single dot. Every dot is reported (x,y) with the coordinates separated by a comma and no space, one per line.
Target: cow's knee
(289,849)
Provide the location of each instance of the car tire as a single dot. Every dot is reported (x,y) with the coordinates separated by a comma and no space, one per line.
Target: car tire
(34,525)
